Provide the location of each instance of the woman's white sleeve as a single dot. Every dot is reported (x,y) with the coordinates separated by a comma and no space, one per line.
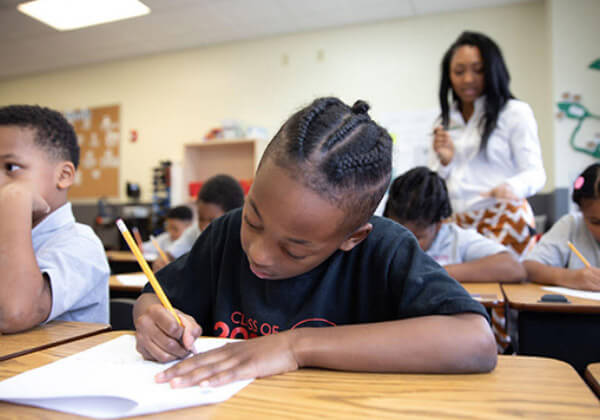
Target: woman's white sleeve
(526,152)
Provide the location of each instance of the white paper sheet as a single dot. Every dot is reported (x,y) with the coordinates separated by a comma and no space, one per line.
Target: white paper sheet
(133,279)
(108,381)
(573,292)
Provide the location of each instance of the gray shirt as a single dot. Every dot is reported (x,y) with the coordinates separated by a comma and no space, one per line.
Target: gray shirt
(553,250)
(455,245)
(73,258)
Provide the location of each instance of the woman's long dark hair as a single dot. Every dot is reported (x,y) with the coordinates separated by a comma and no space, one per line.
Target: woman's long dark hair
(496,76)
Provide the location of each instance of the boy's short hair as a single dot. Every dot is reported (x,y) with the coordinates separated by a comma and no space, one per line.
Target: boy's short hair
(339,152)
(222,190)
(183,213)
(420,196)
(53,132)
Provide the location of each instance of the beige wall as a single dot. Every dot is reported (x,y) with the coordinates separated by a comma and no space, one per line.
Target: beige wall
(172,99)
(575,44)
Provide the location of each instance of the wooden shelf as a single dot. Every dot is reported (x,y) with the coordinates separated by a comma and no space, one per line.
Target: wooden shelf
(237,158)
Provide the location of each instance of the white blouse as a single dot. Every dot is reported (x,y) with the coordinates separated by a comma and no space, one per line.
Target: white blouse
(512,156)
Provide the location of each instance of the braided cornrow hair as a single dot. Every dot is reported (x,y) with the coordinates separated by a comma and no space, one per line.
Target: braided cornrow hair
(419,195)
(339,152)
(52,131)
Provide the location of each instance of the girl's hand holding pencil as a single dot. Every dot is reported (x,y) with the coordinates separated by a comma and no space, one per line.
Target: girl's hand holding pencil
(587,278)
(584,279)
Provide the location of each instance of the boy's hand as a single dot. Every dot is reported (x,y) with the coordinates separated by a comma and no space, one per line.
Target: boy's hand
(159,337)
(254,358)
(443,145)
(14,190)
(585,279)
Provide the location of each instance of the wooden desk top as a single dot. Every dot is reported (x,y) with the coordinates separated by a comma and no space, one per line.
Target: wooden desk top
(126,256)
(116,286)
(489,294)
(43,336)
(520,387)
(592,374)
(120,256)
(526,296)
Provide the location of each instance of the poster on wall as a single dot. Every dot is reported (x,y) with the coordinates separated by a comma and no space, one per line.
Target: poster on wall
(412,135)
(411,131)
(99,135)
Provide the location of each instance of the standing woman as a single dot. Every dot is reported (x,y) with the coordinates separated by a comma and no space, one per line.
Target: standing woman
(486,145)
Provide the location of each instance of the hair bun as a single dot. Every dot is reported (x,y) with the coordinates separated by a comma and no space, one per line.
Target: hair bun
(360,107)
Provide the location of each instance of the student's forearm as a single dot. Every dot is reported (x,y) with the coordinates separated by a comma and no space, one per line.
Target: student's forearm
(26,298)
(545,274)
(500,267)
(450,344)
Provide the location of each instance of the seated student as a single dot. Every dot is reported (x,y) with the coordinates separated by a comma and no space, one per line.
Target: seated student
(304,252)
(218,195)
(52,267)
(552,261)
(418,199)
(177,220)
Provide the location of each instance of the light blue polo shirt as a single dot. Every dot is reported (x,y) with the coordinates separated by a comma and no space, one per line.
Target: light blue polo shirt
(455,245)
(73,258)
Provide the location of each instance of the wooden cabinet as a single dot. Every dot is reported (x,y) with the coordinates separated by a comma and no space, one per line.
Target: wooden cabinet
(237,158)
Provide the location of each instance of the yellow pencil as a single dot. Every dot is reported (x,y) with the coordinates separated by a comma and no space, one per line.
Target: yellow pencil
(159,249)
(576,252)
(146,269)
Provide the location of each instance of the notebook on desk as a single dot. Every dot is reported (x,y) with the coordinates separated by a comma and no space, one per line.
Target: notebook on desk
(110,380)
(583,294)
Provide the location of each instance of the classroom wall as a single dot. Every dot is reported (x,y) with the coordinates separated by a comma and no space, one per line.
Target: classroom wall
(574,45)
(174,98)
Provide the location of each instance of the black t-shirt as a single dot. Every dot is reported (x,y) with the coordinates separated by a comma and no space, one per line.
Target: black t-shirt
(386,277)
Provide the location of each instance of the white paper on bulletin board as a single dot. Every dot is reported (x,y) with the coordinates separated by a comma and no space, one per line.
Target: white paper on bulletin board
(411,131)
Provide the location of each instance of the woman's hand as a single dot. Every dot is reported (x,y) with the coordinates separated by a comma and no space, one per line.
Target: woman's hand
(248,359)
(502,192)
(443,145)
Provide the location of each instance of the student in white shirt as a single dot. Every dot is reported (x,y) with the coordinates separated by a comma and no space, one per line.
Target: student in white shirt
(552,261)
(418,199)
(218,195)
(177,220)
(486,144)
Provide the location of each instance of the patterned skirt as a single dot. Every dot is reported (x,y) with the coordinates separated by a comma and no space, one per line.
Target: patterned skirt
(509,223)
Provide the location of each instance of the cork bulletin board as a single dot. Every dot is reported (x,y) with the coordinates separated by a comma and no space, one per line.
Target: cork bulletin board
(99,135)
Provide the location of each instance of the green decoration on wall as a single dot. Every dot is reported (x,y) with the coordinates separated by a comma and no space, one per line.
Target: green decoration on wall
(575,111)
(572,109)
